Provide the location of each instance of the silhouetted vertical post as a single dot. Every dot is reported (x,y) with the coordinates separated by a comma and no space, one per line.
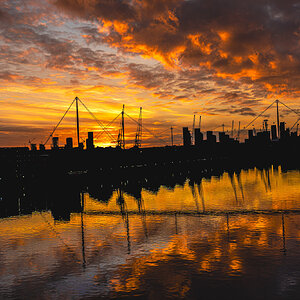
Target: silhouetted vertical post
(123,130)
(176,223)
(172,136)
(278,131)
(283,234)
(82,230)
(141,126)
(232,126)
(77,120)
(193,135)
(228,228)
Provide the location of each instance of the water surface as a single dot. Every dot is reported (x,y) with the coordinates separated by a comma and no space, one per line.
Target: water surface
(235,236)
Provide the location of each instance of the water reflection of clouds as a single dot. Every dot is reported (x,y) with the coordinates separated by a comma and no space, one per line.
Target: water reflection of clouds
(254,189)
(174,255)
(202,246)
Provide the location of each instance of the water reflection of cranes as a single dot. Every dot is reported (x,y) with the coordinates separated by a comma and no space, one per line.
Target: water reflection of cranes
(142,212)
(236,176)
(82,229)
(283,234)
(197,192)
(264,175)
(135,190)
(124,213)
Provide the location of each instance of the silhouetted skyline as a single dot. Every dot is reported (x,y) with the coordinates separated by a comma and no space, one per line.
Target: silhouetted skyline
(174,58)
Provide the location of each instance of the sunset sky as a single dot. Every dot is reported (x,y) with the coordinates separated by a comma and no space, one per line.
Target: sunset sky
(224,60)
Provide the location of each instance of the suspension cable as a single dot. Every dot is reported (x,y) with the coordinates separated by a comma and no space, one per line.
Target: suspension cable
(290,108)
(158,138)
(107,132)
(59,123)
(100,133)
(295,123)
(259,115)
(160,133)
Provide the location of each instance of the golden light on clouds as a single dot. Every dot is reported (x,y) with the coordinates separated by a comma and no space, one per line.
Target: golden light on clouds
(176,55)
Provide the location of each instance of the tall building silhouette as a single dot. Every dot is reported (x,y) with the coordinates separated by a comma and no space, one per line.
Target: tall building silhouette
(187,139)
(90,140)
(198,137)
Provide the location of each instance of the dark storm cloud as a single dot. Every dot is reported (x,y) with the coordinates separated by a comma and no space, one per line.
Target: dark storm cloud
(111,9)
(255,39)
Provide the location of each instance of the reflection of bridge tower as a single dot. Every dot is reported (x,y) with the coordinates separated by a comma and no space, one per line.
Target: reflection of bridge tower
(82,230)
(228,227)
(123,208)
(283,234)
(142,212)
(134,189)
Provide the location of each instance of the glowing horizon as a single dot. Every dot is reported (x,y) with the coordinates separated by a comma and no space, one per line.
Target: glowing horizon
(174,58)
